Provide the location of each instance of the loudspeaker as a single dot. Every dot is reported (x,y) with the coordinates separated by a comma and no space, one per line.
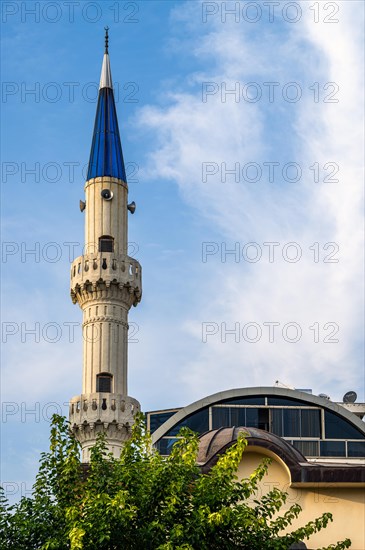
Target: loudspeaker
(132,207)
(107,194)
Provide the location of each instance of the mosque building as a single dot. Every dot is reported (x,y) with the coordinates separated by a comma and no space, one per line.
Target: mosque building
(317,446)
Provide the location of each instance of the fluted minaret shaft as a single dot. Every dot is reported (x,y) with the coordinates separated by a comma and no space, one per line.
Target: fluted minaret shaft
(105,282)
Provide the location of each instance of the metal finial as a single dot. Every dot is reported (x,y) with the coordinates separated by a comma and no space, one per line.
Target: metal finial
(106,39)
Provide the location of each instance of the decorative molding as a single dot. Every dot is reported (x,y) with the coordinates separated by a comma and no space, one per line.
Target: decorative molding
(117,291)
(105,180)
(105,319)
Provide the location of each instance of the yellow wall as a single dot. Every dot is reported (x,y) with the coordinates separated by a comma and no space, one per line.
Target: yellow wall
(346,504)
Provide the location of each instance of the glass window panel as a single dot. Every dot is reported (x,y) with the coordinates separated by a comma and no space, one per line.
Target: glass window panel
(338,428)
(288,402)
(157,419)
(291,423)
(356,448)
(307,448)
(333,448)
(277,421)
(238,416)
(264,418)
(165,444)
(252,418)
(221,417)
(246,401)
(106,244)
(198,422)
(310,423)
(103,383)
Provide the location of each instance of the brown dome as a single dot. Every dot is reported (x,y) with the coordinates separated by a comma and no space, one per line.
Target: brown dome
(215,442)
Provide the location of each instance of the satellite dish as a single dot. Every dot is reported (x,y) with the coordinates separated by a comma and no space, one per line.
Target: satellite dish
(350,397)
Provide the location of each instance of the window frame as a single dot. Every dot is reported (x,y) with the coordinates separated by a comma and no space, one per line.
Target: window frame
(106,240)
(102,376)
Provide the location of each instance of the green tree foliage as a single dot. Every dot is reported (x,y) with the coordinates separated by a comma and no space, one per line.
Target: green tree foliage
(145,501)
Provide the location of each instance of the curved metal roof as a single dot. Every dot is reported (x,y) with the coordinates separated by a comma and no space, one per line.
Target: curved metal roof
(265,391)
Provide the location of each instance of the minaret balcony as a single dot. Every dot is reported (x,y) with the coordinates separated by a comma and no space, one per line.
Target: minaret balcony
(104,408)
(106,268)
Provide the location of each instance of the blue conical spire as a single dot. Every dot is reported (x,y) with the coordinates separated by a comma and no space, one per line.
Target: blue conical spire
(106,156)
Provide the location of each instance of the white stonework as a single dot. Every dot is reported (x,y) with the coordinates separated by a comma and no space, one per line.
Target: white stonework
(105,285)
(109,413)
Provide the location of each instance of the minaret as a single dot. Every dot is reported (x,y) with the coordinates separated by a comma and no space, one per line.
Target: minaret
(105,282)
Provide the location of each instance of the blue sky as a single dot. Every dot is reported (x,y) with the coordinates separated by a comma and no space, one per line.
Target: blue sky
(292,135)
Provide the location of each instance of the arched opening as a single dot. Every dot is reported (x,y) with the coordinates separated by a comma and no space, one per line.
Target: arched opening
(104,382)
(106,243)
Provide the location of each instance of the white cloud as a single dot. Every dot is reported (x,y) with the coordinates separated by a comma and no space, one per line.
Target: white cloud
(190,132)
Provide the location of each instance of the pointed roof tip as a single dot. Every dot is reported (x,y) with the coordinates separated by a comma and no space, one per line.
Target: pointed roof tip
(106,39)
(106,74)
(106,156)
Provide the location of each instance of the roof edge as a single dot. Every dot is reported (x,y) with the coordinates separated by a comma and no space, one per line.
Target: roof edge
(256,390)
